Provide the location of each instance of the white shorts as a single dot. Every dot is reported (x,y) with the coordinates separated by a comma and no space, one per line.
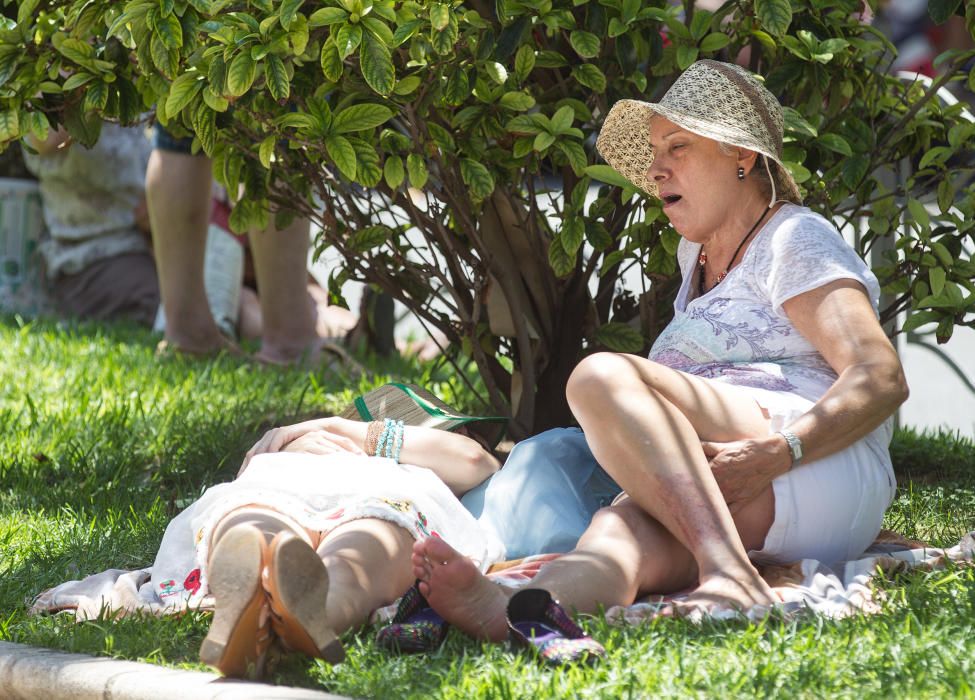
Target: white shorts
(831,509)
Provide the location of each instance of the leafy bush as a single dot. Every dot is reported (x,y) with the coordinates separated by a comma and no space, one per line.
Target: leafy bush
(446,147)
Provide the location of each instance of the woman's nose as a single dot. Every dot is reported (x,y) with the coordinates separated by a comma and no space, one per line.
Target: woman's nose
(657,170)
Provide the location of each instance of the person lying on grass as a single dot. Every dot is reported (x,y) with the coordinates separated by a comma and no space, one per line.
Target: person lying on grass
(316,532)
(758,427)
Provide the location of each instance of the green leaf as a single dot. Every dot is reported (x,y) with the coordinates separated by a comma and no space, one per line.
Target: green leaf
(96,96)
(360,117)
(75,50)
(686,55)
(241,74)
(298,36)
(342,154)
(170,31)
(559,259)
(700,23)
(550,59)
(405,31)
(524,62)
(920,318)
(445,40)
(573,233)
(182,92)
(562,120)
(347,39)
(205,126)
(266,150)
(378,29)
(586,44)
(216,102)
(369,238)
(517,101)
(38,125)
(919,214)
(543,141)
(590,76)
(528,124)
(76,81)
(276,76)
(575,154)
(439,16)
(606,174)
(377,65)
(416,168)
(407,85)
(619,337)
(394,172)
(288,10)
(331,61)
(774,15)
(796,123)
(477,178)
(458,87)
(836,143)
(942,10)
(598,236)
(714,41)
(496,72)
(9,125)
(937,154)
(937,276)
(617,27)
(942,253)
(946,195)
(327,16)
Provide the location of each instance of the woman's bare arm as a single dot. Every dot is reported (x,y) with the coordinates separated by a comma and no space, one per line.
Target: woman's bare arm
(459,461)
(839,321)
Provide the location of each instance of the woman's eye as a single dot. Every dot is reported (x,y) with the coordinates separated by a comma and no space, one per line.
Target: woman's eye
(676,146)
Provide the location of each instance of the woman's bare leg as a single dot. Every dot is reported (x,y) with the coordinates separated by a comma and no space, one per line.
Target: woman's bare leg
(623,554)
(368,563)
(644,423)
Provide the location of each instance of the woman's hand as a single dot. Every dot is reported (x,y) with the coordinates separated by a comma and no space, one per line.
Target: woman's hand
(745,468)
(320,432)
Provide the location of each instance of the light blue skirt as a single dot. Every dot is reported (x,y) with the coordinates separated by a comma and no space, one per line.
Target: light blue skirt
(545,496)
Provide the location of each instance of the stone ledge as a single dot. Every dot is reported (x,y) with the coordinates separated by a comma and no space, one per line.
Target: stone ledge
(29,673)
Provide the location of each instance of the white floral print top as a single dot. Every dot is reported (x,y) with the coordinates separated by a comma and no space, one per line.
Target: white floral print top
(737,332)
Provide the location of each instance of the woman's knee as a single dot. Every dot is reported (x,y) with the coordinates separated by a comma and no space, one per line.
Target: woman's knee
(620,523)
(596,375)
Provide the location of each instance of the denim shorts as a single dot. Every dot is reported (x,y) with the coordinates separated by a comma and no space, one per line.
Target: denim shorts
(165,141)
(545,496)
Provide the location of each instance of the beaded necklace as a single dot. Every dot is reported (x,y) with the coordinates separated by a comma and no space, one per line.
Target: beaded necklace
(702,258)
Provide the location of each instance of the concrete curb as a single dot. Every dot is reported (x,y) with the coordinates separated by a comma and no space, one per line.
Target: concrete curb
(29,673)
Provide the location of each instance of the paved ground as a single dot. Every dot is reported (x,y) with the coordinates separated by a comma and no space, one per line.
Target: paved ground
(30,673)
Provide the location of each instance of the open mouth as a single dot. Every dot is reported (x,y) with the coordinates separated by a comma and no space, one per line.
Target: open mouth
(671,199)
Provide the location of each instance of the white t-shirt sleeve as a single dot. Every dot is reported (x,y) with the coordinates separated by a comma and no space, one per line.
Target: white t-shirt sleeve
(805,252)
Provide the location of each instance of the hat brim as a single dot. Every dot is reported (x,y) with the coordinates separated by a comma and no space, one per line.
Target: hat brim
(416,406)
(624,143)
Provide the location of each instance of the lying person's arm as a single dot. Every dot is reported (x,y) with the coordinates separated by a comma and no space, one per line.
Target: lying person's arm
(459,461)
(839,321)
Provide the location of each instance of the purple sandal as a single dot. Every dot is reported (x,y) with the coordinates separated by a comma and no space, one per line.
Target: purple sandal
(537,622)
(415,628)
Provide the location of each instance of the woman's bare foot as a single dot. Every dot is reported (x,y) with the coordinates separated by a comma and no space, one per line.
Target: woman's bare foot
(747,594)
(460,593)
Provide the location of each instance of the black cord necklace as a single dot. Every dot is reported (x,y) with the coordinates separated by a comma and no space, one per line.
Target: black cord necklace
(702,258)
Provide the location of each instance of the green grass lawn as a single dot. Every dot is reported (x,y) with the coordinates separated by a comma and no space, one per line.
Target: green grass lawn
(101,444)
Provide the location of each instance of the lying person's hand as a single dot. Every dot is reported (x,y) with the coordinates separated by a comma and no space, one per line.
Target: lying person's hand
(322,442)
(745,468)
(278,439)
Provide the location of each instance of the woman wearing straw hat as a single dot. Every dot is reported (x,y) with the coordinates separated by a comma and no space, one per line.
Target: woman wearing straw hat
(316,531)
(758,427)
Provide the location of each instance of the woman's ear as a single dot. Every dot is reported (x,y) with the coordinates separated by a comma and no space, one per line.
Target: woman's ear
(746,159)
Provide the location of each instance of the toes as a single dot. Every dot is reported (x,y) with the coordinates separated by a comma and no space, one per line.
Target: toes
(439,551)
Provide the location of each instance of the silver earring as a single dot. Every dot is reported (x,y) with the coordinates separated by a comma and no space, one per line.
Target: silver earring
(741,173)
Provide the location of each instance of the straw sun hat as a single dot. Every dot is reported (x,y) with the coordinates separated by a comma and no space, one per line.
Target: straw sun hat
(416,406)
(719,101)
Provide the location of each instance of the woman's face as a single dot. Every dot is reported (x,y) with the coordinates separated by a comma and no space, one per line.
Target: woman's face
(698,182)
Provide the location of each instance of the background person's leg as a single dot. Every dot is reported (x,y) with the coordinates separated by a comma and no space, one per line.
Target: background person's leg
(178,194)
(287,311)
